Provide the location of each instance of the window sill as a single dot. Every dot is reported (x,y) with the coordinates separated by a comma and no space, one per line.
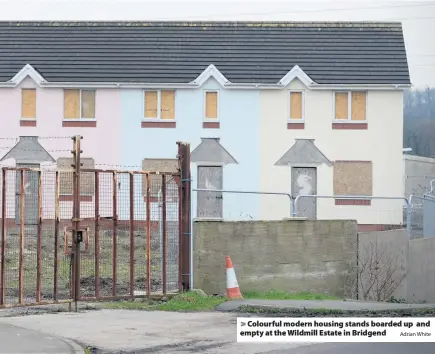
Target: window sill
(85,123)
(28,122)
(360,202)
(349,126)
(296,124)
(159,123)
(210,124)
(70,198)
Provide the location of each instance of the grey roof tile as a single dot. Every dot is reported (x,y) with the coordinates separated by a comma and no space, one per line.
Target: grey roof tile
(177,52)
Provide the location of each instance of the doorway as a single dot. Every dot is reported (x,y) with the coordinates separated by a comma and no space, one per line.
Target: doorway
(304,182)
(210,204)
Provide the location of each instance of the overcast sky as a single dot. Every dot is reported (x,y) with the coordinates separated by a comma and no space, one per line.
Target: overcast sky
(418,17)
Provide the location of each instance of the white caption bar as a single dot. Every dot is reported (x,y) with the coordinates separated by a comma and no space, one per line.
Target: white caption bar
(337,330)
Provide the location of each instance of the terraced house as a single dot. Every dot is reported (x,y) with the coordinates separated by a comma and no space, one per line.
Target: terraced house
(301,108)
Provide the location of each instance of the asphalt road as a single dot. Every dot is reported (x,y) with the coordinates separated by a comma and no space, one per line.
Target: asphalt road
(359,348)
(19,340)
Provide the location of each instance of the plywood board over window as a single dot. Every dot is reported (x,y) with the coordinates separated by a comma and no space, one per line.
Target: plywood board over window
(296,105)
(87,179)
(211,105)
(167,104)
(151,102)
(28,103)
(71,104)
(162,166)
(353,178)
(341,105)
(88,104)
(358,106)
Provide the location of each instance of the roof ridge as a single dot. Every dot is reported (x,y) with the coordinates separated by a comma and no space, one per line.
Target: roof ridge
(358,24)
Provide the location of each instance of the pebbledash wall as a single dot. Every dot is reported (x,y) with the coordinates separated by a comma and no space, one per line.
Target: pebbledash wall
(238,132)
(101,143)
(119,142)
(380,143)
(253,129)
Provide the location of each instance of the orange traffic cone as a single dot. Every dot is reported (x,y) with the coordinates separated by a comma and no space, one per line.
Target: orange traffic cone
(233,290)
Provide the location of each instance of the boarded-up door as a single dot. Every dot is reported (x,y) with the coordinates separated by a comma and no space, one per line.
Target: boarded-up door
(31,212)
(210,204)
(304,182)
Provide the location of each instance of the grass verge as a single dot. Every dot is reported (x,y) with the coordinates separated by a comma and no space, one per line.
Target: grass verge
(189,301)
(198,301)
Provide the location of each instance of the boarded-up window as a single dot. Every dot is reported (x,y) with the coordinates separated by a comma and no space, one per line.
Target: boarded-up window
(88,104)
(159,104)
(358,106)
(168,105)
(79,104)
(87,179)
(341,105)
(296,105)
(151,104)
(211,105)
(162,166)
(28,103)
(353,178)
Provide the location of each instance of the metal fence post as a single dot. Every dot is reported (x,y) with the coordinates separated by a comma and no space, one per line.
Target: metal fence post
(186,234)
(76,219)
(408,218)
(3,241)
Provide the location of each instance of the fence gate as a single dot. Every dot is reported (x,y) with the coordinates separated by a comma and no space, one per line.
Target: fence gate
(92,234)
(130,234)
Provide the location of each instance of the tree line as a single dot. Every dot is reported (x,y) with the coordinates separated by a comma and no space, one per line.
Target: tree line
(419,121)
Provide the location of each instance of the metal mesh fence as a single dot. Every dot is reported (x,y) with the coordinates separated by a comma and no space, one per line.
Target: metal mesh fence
(238,205)
(131,239)
(35,266)
(420,214)
(121,259)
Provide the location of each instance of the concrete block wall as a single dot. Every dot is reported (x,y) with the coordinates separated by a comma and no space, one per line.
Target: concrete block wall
(389,246)
(288,255)
(421,271)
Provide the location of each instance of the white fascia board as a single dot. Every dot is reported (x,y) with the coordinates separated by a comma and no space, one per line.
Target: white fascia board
(229,86)
(296,73)
(27,70)
(210,71)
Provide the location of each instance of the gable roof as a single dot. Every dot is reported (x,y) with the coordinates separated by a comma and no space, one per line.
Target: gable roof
(178,52)
(210,150)
(303,152)
(28,150)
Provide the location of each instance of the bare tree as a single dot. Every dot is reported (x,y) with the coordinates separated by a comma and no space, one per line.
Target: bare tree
(377,275)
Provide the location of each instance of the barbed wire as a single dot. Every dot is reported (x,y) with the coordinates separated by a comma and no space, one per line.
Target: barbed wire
(35,150)
(38,137)
(55,137)
(118,166)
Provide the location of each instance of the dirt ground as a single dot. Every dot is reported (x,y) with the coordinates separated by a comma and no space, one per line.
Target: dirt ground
(87,269)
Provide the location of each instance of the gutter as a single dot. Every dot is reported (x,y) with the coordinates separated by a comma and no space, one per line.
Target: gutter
(229,86)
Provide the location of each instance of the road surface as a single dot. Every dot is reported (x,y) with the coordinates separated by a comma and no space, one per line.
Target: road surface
(359,348)
(19,340)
